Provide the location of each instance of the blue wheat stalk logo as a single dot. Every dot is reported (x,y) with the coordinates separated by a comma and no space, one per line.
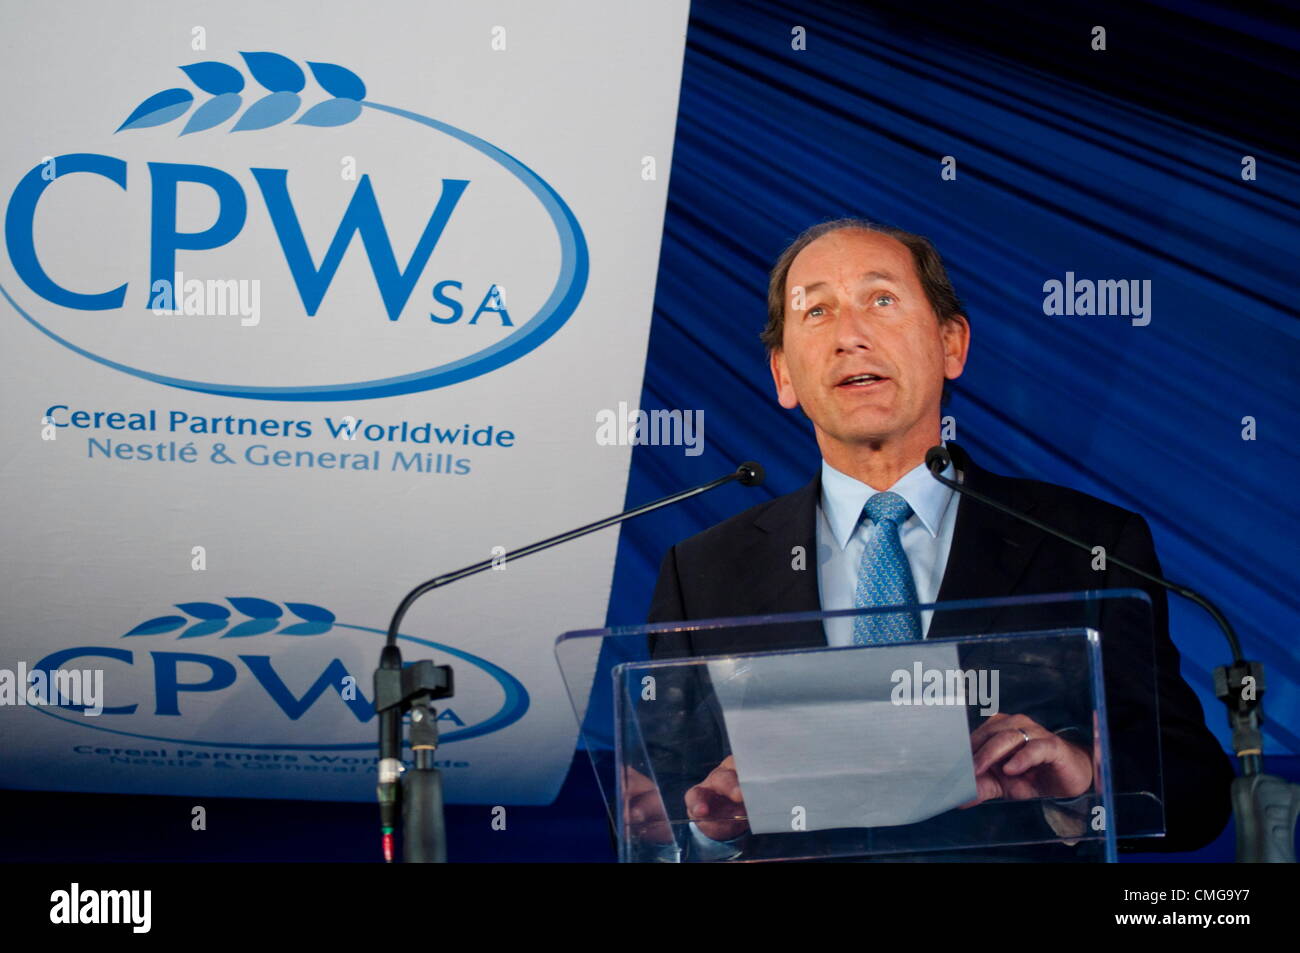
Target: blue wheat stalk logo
(279,75)
(262,617)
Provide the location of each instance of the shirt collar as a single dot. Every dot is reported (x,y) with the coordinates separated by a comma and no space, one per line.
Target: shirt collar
(843,498)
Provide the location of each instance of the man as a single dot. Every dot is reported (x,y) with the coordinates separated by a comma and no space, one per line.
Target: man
(864,329)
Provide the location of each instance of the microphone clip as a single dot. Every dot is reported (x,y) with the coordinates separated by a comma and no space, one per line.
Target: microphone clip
(419,682)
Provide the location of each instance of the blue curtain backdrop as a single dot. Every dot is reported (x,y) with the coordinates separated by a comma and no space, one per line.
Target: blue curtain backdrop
(1123,163)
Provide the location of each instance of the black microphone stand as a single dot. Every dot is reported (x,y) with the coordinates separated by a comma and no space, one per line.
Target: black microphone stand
(414,688)
(1266,806)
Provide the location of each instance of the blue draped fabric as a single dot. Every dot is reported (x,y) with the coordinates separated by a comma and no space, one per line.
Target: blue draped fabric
(1116,164)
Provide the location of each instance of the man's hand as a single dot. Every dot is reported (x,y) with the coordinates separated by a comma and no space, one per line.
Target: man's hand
(643,809)
(716,804)
(1009,766)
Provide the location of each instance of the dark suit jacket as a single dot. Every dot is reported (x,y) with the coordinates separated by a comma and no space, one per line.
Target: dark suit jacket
(742,567)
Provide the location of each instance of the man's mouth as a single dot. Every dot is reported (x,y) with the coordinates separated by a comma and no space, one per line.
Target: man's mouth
(860,381)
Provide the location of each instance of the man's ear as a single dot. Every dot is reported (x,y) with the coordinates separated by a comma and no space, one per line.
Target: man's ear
(956,345)
(785,394)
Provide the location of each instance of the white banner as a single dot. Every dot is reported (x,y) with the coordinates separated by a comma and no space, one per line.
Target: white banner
(305,303)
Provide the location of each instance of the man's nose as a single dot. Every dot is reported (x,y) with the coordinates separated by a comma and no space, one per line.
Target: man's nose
(854,329)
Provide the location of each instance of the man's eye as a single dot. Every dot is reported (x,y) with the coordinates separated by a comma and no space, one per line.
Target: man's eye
(815,310)
(886,298)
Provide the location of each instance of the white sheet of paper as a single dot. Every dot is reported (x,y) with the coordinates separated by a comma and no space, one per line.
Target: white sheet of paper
(820,731)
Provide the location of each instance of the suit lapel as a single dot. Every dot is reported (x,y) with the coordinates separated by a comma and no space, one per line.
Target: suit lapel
(990,551)
(780,587)
(791,521)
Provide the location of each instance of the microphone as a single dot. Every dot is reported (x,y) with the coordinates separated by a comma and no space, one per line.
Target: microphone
(417,798)
(387,682)
(1256,796)
(750,473)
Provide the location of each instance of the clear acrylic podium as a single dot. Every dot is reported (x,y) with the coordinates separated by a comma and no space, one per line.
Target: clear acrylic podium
(868,752)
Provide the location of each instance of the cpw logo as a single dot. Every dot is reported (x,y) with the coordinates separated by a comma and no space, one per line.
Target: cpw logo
(389,251)
(255,673)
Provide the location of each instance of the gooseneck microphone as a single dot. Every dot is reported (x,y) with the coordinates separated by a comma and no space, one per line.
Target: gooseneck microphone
(412,800)
(1266,806)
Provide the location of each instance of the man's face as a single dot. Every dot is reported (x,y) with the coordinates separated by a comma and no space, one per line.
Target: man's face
(862,311)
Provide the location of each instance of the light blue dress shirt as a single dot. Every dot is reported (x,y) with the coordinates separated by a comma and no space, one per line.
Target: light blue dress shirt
(842,534)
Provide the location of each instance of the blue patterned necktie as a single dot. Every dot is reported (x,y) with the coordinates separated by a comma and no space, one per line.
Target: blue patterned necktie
(884,576)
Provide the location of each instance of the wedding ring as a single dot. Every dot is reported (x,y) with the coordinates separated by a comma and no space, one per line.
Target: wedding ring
(1024,734)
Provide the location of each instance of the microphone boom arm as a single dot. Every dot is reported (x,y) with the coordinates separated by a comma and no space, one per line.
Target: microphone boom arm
(1266,807)
(416,797)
